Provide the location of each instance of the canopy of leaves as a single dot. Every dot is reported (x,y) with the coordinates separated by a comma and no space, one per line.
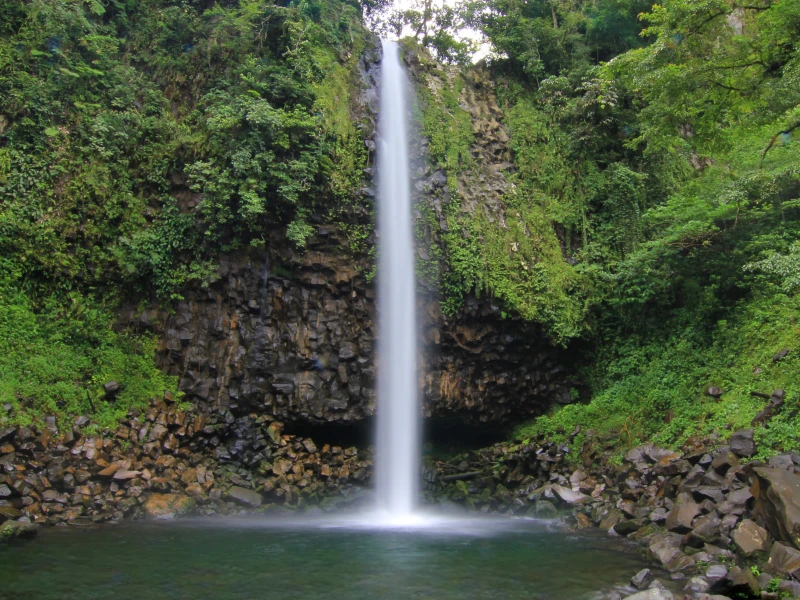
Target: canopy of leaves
(138,140)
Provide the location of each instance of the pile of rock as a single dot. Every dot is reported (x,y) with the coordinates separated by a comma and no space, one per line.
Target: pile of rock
(716,524)
(165,463)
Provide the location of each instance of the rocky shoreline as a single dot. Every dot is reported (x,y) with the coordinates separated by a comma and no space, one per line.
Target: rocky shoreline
(719,523)
(165,463)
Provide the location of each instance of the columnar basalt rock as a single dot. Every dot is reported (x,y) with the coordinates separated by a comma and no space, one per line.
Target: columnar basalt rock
(291,333)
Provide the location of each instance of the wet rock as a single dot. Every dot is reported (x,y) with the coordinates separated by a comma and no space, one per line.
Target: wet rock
(777,502)
(697,585)
(706,530)
(789,589)
(625,528)
(716,572)
(741,580)
(741,443)
(568,496)
(244,496)
(169,506)
(681,516)
(652,594)
(544,509)
(666,547)
(784,560)
(724,460)
(17,529)
(750,538)
(642,579)
(611,518)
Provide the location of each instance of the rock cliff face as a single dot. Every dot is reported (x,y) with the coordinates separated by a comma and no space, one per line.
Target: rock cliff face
(292,333)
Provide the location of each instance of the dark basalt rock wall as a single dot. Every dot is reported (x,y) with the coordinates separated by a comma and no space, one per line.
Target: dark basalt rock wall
(292,333)
(303,347)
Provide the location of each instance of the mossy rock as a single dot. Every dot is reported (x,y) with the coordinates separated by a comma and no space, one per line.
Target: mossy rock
(169,506)
(16,529)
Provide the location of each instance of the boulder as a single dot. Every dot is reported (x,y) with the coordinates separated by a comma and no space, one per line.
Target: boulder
(568,496)
(9,513)
(784,560)
(625,528)
(666,547)
(244,496)
(642,579)
(697,585)
(16,529)
(750,538)
(169,506)
(683,513)
(706,530)
(742,581)
(777,502)
(723,461)
(611,518)
(741,443)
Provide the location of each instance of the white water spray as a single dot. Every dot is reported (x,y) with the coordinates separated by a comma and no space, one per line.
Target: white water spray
(398,440)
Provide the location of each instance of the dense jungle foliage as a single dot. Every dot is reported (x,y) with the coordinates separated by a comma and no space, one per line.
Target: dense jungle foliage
(660,142)
(138,140)
(653,225)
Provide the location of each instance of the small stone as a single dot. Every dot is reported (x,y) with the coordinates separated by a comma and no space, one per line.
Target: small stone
(625,528)
(697,585)
(125,474)
(652,594)
(716,572)
(724,461)
(568,496)
(582,520)
(642,579)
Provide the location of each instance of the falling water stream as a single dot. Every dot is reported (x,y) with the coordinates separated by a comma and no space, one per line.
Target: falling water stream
(398,440)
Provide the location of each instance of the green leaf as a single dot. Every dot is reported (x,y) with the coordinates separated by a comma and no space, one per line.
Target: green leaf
(51,132)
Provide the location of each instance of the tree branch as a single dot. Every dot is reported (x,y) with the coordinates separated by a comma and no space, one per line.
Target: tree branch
(774,139)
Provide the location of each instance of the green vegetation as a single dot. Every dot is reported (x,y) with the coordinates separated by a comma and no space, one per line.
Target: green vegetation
(655,208)
(138,140)
(651,215)
(56,361)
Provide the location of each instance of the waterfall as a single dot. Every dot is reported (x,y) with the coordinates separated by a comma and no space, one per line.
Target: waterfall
(398,439)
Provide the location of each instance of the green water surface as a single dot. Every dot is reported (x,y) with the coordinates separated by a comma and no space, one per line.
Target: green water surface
(285,560)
